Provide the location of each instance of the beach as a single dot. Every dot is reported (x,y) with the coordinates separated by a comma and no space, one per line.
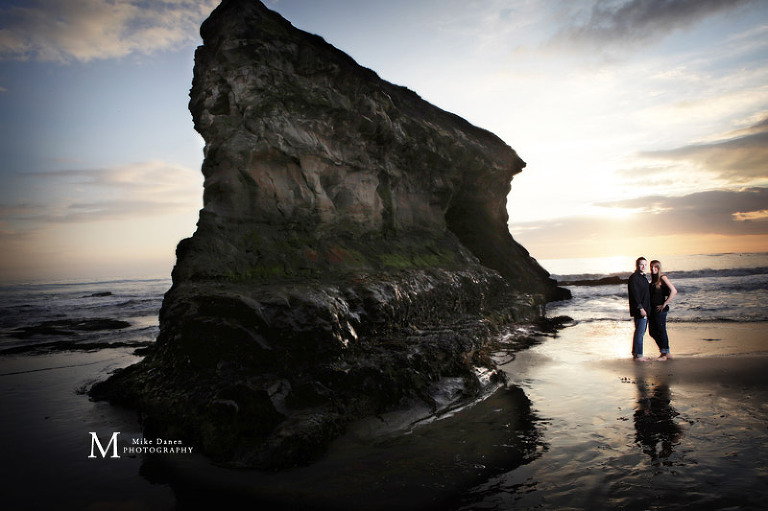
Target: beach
(46,442)
(579,425)
(684,433)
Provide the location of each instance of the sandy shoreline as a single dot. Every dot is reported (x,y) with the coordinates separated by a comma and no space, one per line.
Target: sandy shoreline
(680,434)
(725,354)
(590,401)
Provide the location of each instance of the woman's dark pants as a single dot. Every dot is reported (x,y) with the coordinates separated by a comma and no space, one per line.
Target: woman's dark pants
(657,328)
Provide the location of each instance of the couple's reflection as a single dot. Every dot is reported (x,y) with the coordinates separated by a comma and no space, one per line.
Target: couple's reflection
(656,430)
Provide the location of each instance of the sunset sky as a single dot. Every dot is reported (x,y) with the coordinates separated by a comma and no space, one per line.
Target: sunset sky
(644,123)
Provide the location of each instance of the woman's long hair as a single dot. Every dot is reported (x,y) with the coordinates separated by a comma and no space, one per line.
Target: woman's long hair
(656,277)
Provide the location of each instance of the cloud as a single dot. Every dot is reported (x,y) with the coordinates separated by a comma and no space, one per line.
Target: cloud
(740,159)
(108,220)
(150,177)
(726,214)
(751,216)
(124,192)
(755,129)
(84,30)
(640,20)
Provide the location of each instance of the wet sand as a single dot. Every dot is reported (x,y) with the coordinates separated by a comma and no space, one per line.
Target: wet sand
(604,432)
(381,462)
(45,440)
(685,433)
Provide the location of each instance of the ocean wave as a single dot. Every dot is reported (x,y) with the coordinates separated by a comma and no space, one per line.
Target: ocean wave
(69,345)
(671,320)
(715,319)
(730,272)
(739,287)
(596,320)
(140,301)
(614,278)
(119,283)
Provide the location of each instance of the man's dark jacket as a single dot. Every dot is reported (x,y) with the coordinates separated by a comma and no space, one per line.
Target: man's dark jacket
(639,294)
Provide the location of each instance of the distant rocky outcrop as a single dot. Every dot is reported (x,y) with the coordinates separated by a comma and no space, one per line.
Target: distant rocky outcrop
(352,253)
(603,281)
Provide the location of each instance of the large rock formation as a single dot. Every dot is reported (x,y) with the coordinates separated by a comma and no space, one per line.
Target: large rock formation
(353,250)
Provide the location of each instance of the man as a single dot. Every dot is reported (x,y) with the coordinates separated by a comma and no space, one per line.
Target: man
(639,305)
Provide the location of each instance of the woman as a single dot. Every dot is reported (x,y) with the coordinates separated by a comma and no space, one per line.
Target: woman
(662,292)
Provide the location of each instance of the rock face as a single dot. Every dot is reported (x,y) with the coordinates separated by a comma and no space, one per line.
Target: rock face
(352,252)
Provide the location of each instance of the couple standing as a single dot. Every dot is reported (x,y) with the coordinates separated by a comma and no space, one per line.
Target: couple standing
(648,305)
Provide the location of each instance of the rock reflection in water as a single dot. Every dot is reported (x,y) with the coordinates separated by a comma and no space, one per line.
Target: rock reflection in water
(656,429)
(430,467)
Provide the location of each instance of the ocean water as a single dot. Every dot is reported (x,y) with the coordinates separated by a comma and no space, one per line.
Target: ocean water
(713,287)
(40,316)
(69,315)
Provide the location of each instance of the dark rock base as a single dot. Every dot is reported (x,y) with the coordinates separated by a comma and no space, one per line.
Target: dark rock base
(267,375)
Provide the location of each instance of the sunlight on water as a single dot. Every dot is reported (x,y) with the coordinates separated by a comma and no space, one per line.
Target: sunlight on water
(626,264)
(725,287)
(618,434)
(600,341)
(592,265)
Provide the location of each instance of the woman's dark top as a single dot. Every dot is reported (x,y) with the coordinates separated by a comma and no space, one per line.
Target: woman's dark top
(658,295)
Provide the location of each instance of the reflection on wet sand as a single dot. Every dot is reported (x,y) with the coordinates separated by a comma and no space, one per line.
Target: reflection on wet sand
(656,429)
(429,468)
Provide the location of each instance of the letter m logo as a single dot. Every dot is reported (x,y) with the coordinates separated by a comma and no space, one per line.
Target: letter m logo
(95,443)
